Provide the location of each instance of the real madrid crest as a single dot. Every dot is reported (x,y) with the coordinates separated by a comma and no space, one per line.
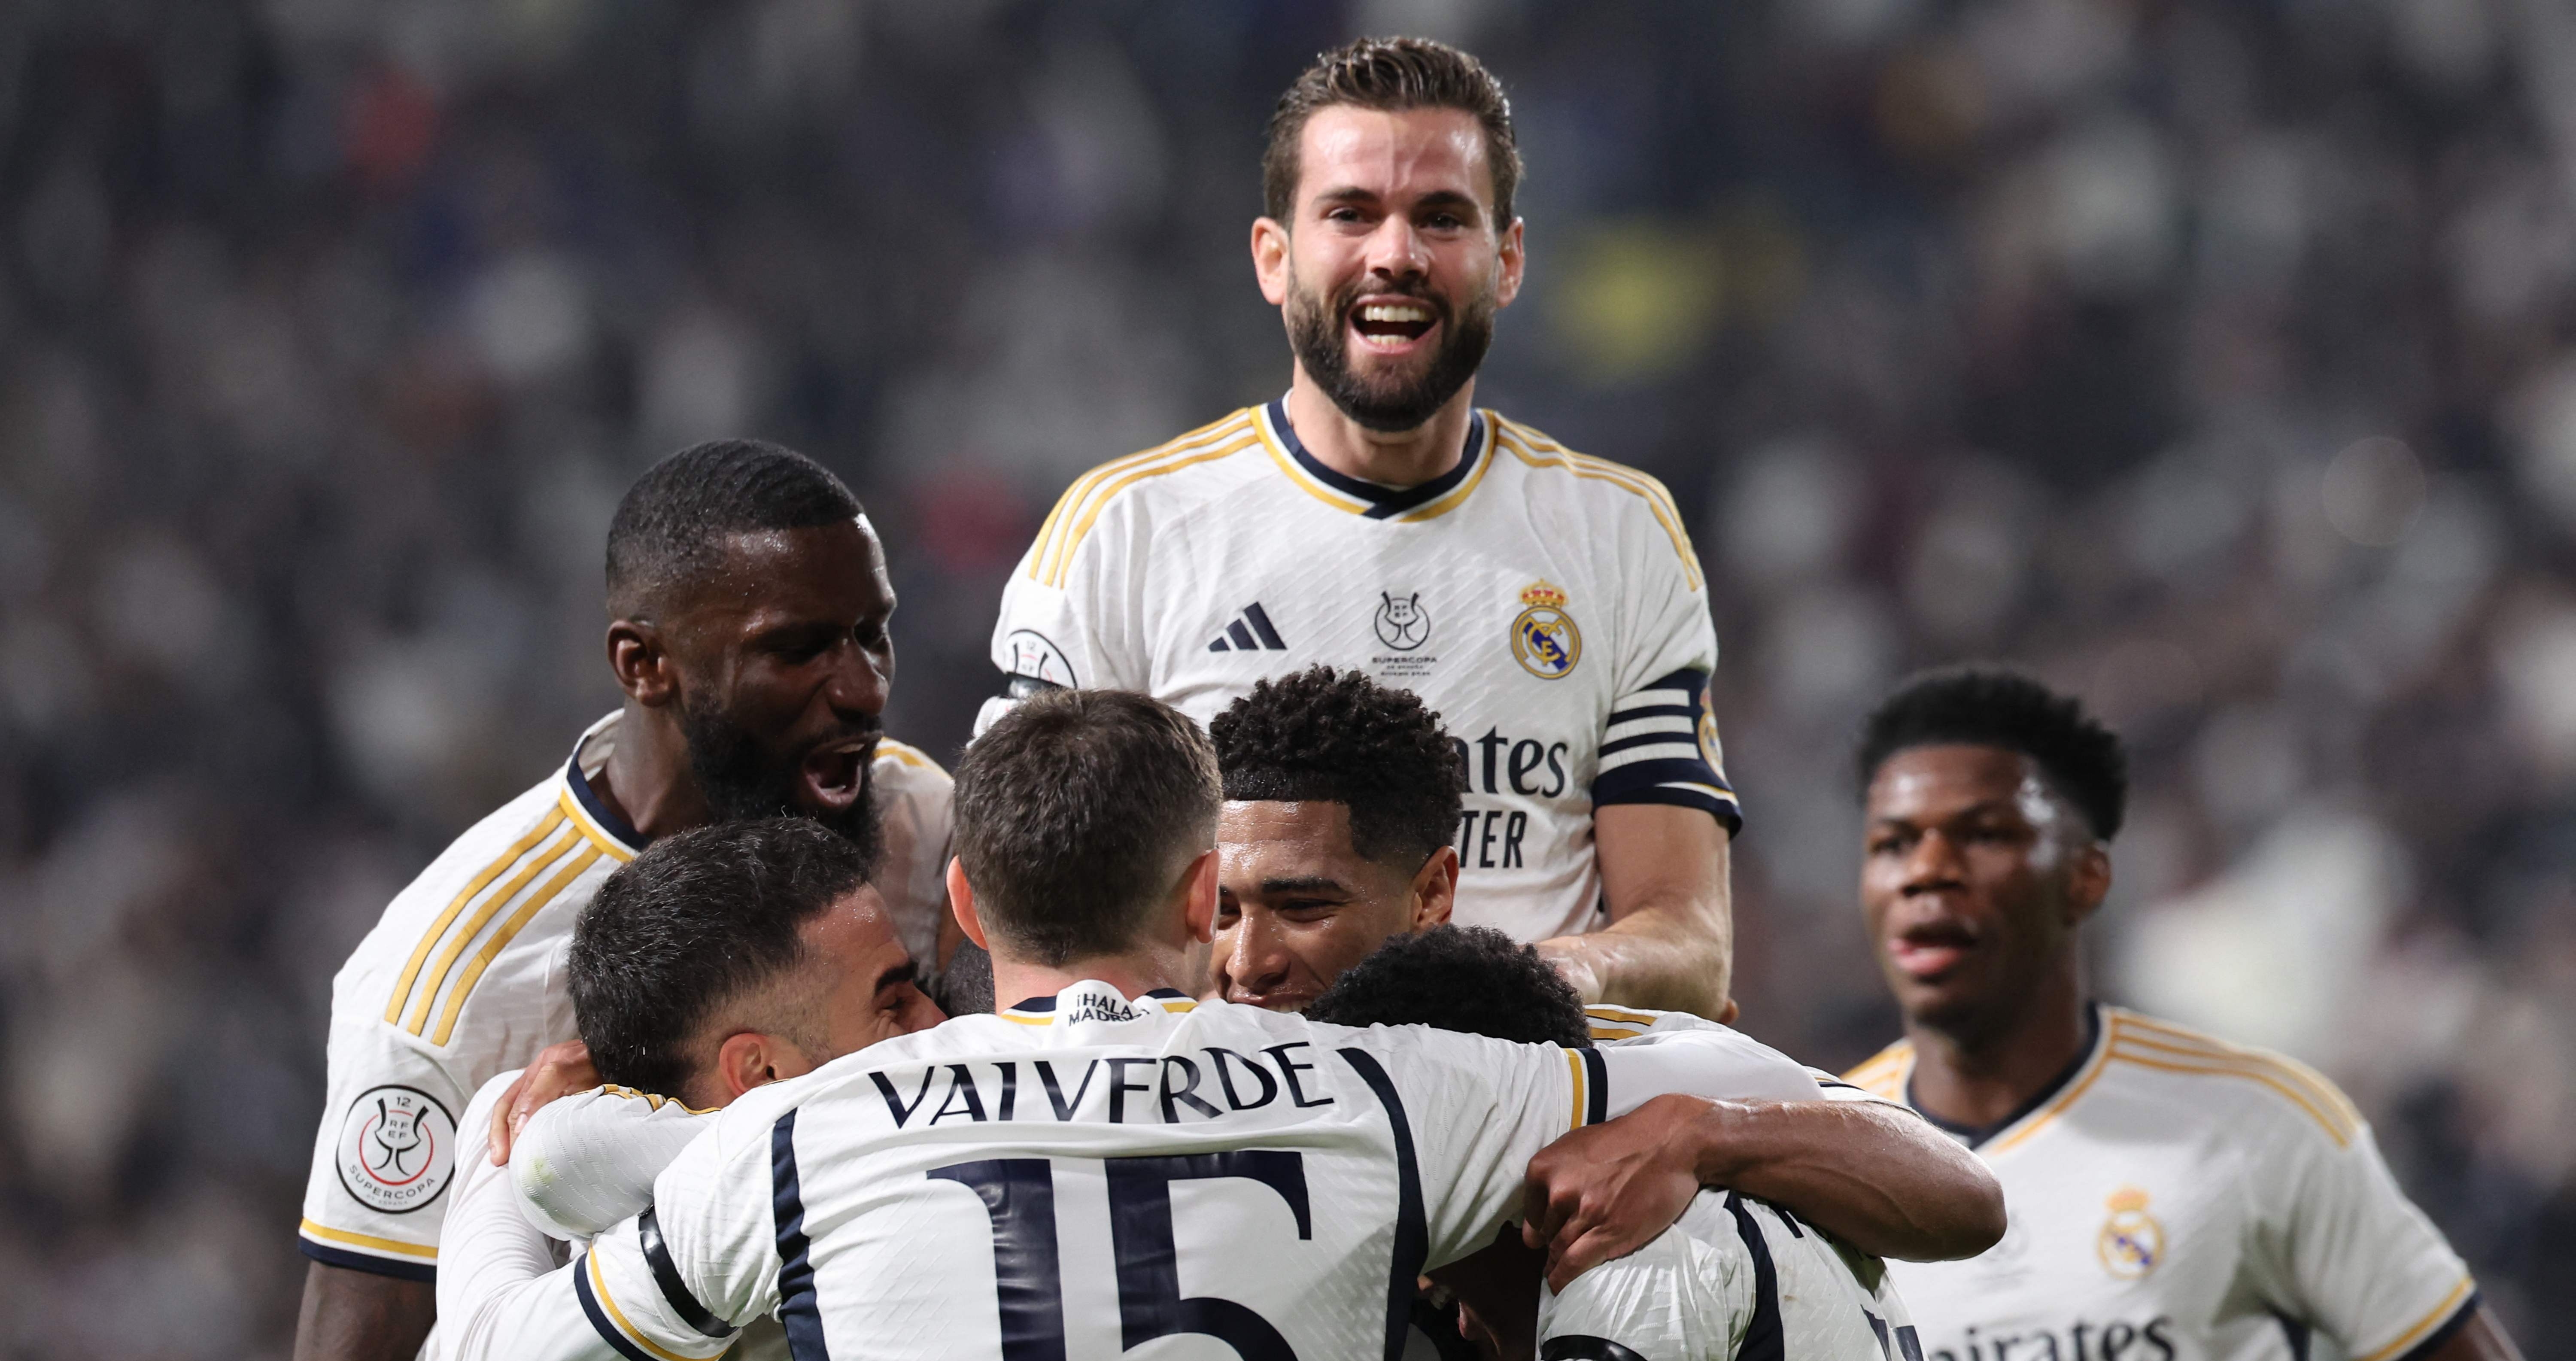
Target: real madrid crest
(2132,1243)
(1544,637)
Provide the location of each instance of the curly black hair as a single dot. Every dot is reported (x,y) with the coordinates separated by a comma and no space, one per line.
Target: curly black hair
(1994,707)
(1471,979)
(1340,737)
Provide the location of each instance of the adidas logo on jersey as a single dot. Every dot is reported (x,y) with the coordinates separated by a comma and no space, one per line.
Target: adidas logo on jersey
(1249,631)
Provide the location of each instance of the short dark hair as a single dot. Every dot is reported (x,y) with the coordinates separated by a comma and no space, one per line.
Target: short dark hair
(667,529)
(1471,979)
(1985,706)
(1340,737)
(1073,814)
(1391,74)
(695,921)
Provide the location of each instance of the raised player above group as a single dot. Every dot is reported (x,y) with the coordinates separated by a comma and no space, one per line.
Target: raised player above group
(652,1062)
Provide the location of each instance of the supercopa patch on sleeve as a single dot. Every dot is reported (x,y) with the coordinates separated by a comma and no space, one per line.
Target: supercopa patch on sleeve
(397,1149)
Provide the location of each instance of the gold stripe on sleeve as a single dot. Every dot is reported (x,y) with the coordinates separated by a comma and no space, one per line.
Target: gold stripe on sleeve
(411,971)
(418,1022)
(2441,1314)
(599,1287)
(492,948)
(369,1241)
(1574,1068)
(1082,504)
(1626,479)
(1082,530)
(2238,1069)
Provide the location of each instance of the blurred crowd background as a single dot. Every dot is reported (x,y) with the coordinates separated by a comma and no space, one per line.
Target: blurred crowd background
(2212,358)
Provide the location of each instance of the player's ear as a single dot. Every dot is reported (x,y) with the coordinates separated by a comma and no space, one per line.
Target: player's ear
(1270,259)
(2088,881)
(1435,889)
(1200,908)
(749,1059)
(641,663)
(1508,286)
(961,905)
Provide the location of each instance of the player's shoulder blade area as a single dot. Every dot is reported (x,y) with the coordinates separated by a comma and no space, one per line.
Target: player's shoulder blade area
(1195,464)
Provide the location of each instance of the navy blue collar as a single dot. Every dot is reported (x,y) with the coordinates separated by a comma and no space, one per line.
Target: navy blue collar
(1974,1135)
(1383,502)
(597,808)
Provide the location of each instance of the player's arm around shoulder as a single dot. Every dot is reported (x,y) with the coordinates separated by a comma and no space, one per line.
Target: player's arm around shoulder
(720,1245)
(589,1160)
(1712,1107)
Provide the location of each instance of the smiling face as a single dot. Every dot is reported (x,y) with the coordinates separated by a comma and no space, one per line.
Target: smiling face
(1297,904)
(1391,267)
(783,662)
(1974,879)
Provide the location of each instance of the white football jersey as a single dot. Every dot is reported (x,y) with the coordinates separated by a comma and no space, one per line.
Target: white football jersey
(2177,1198)
(463,978)
(1547,605)
(1732,1278)
(1086,1173)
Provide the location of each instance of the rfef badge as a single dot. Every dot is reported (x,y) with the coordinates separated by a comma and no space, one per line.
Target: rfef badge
(397,1149)
(1544,637)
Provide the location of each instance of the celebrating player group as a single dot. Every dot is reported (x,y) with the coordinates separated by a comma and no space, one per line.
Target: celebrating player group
(1322,950)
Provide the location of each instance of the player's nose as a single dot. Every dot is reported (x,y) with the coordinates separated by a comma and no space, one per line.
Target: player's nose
(1256,960)
(1935,864)
(856,685)
(1396,250)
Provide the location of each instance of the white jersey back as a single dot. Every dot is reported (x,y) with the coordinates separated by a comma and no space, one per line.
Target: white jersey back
(462,978)
(1087,1173)
(1547,605)
(2178,1198)
(1733,1278)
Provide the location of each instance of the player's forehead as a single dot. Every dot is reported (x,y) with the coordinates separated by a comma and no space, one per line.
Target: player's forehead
(1393,154)
(854,925)
(1274,831)
(1927,783)
(820,568)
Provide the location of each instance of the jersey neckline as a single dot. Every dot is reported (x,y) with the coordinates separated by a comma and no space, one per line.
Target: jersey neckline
(1382,503)
(577,783)
(1977,1136)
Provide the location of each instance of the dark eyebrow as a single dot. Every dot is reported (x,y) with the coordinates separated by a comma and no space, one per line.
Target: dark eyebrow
(1308,883)
(905,972)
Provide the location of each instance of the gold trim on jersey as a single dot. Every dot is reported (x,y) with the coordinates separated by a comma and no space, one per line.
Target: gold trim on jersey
(1574,1066)
(1884,1072)
(545,853)
(411,971)
(600,836)
(1538,451)
(369,1241)
(492,948)
(2441,1314)
(2170,1049)
(2020,1131)
(1432,509)
(599,1288)
(1066,526)
(906,754)
(653,1100)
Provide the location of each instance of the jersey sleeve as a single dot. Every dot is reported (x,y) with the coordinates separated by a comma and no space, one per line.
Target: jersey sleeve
(1660,743)
(1478,1110)
(2343,1250)
(1072,611)
(681,1278)
(502,1292)
(1675,1299)
(376,1195)
(586,1161)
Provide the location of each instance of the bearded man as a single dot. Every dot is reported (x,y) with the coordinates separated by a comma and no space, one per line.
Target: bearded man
(748,605)
(1547,604)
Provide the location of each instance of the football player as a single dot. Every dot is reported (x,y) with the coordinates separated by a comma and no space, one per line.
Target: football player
(1735,1277)
(1372,517)
(2171,1194)
(919,1198)
(748,607)
(717,961)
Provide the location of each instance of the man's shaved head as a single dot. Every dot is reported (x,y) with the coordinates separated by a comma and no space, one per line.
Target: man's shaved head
(670,530)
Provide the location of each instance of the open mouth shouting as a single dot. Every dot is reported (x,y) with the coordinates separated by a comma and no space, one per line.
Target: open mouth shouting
(1393,324)
(1929,950)
(835,775)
